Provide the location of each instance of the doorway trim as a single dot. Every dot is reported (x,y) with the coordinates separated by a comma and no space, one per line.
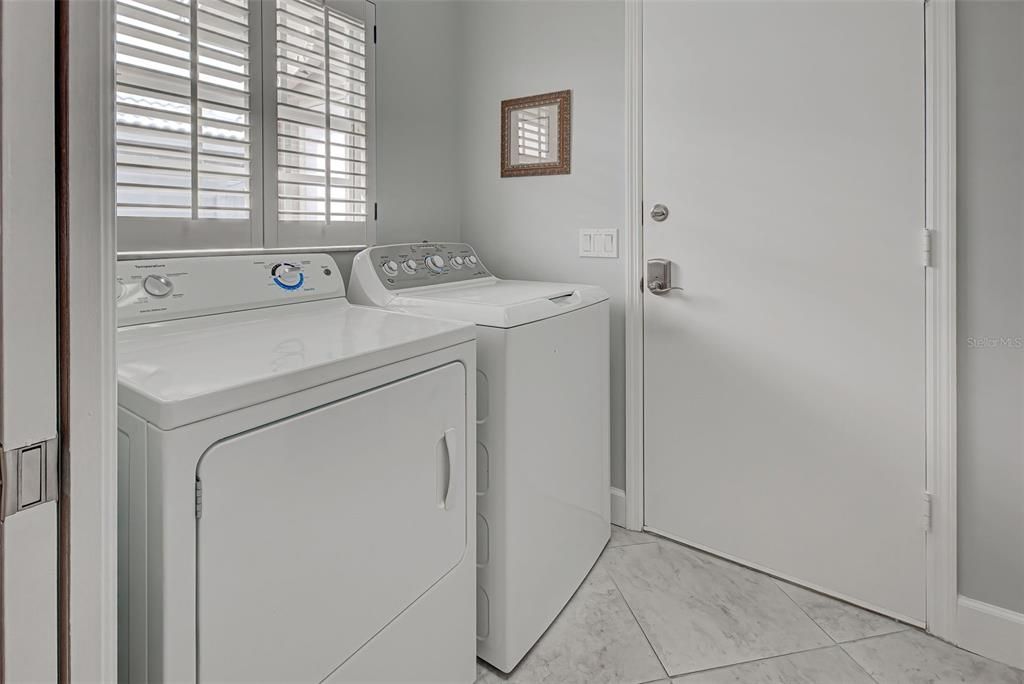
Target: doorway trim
(633,252)
(92,652)
(940,299)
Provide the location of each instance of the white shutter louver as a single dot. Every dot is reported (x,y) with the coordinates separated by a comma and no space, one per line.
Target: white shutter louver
(321,102)
(183,110)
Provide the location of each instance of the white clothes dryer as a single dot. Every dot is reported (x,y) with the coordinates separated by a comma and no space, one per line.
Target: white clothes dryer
(292,479)
(543,427)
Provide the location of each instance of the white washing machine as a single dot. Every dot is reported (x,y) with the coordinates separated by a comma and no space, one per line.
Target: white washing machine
(543,427)
(293,479)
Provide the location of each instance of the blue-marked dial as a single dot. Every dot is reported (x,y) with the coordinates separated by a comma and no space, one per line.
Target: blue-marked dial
(288,276)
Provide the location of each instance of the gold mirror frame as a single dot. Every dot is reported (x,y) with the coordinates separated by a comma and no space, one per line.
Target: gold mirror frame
(561,165)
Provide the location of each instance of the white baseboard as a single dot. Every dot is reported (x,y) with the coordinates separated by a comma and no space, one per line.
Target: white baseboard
(618,507)
(991,631)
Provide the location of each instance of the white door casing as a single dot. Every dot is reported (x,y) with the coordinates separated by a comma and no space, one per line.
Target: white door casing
(785,385)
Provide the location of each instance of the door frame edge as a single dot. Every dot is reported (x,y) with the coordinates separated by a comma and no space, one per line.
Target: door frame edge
(941,318)
(633,252)
(93,380)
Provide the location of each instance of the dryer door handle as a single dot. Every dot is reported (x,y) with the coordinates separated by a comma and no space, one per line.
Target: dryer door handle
(446,445)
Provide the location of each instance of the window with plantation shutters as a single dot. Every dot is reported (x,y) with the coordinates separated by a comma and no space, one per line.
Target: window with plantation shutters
(243,123)
(322,130)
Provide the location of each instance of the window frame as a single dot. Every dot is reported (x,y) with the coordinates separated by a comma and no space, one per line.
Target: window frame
(262,231)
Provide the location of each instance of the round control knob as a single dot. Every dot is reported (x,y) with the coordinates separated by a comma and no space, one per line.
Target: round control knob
(435,263)
(410,266)
(471,260)
(157,285)
(287,276)
(457,262)
(390,268)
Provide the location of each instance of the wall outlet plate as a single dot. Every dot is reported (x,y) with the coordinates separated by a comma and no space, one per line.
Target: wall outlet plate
(601,243)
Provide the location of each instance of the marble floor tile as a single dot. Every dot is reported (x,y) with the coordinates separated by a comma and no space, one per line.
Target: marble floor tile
(624,537)
(700,612)
(841,621)
(822,666)
(913,657)
(595,640)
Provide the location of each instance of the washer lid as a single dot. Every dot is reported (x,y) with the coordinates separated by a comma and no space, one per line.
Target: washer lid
(177,372)
(500,303)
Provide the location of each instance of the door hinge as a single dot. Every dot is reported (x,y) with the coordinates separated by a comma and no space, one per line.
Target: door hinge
(199,499)
(927,512)
(28,476)
(927,240)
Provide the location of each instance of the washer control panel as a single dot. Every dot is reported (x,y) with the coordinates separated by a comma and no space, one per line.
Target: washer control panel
(416,264)
(151,290)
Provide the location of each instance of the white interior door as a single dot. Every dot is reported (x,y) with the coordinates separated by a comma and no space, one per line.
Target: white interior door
(785,383)
(28,345)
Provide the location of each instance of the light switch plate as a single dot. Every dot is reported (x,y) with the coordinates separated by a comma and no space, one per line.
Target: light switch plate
(601,243)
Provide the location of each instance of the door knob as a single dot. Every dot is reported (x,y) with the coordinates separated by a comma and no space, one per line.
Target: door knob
(659,212)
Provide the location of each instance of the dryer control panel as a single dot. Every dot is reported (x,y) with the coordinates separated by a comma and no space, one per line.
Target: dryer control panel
(150,290)
(416,264)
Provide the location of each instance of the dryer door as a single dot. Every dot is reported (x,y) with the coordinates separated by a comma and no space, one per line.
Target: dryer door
(318,530)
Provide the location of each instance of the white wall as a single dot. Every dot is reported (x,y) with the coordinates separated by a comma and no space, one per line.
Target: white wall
(528,227)
(417,179)
(417,163)
(990,155)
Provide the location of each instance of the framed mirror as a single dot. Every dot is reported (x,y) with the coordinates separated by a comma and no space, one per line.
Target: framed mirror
(536,135)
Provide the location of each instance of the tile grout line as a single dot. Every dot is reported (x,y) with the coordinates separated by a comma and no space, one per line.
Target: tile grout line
(907,628)
(778,581)
(842,646)
(801,609)
(902,626)
(619,546)
(758,660)
(835,643)
(615,584)
(744,662)
(857,663)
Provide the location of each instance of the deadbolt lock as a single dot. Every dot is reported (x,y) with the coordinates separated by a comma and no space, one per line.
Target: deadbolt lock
(659,276)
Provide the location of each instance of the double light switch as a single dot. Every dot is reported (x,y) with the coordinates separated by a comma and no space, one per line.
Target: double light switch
(599,242)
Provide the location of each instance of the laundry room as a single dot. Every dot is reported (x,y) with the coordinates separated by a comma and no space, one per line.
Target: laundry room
(526,341)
